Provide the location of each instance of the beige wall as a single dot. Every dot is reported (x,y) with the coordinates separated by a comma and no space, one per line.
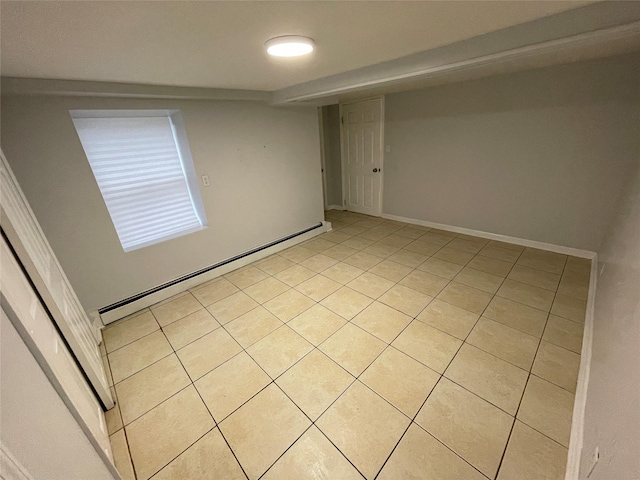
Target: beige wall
(612,417)
(539,155)
(263,163)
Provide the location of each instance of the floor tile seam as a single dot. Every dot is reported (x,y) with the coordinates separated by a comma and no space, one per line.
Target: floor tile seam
(131,342)
(138,371)
(542,433)
(542,269)
(124,320)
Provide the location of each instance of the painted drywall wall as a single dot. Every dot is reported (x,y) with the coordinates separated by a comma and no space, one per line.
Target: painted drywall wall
(612,415)
(539,155)
(263,163)
(37,428)
(332,153)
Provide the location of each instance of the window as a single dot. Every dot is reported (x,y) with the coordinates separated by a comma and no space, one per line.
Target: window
(143,167)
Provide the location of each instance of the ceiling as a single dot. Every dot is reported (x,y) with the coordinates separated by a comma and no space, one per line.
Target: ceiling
(220,44)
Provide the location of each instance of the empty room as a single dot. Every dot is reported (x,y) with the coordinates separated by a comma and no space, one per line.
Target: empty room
(320,240)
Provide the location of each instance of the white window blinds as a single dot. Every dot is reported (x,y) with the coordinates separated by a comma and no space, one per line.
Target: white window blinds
(139,167)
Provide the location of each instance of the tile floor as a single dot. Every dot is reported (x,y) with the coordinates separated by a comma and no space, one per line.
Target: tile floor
(378,350)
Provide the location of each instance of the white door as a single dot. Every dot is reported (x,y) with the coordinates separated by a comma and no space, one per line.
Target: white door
(362,127)
(23,232)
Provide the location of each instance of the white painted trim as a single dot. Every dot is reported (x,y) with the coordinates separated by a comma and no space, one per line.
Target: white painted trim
(323,163)
(10,467)
(580,402)
(335,207)
(575,252)
(153,298)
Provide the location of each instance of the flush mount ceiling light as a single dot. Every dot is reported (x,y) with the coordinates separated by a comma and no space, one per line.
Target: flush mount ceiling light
(289,46)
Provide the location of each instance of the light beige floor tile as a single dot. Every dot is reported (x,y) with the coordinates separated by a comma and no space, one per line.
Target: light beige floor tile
(339,252)
(318,287)
(342,272)
(149,387)
(275,264)
(107,370)
(569,307)
(245,277)
(438,237)
(208,352)
(210,457)
(266,289)
(470,246)
(215,291)
(427,345)
(401,380)
(349,229)
(231,384)
(420,456)
(491,265)
(179,307)
(262,429)
(373,235)
(337,237)
(346,302)
(557,365)
(381,250)
(113,417)
(382,321)
(129,330)
(364,427)
(232,307)
(535,277)
(574,285)
(564,333)
(352,348)
(312,457)
(454,256)
(190,328)
(247,329)
(412,231)
(371,285)
(363,260)
(509,246)
(132,358)
(422,247)
(156,438)
(535,297)
(453,320)
(517,315)
(532,456)
(484,281)
(289,305)
(441,268)
(279,350)
(470,426)
(391,270)
(357,243)
(505,342)
(495,380)
(396,240)
(465,297)
(317,324)
(318,245)
(318,262)
(121,456)
(547,408)
(408,258)
(578,266)
(548,261)
(295,275)
(314,383)
(500,253)
(406,300)
(424,282)
(297,254)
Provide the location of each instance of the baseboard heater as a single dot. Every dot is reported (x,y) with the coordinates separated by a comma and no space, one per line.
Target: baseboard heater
(202,271)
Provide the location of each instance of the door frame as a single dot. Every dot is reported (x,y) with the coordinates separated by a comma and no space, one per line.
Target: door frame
(381,99)
(323,165)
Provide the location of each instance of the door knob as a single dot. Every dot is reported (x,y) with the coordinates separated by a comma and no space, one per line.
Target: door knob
(375,170)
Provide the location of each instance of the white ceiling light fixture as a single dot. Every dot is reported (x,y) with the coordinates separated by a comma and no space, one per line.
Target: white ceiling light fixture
(289,46)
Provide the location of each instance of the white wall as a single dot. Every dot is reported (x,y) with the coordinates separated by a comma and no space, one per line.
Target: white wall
(37,427)
(263,163)
(332,153)
(612,417)
(539,155)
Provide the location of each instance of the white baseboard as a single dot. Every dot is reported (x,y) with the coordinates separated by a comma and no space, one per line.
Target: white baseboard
(153,298)
(335,207)
(580,402)
(575,252)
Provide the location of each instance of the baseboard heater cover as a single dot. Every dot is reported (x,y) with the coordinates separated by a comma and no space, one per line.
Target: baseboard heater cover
(202,271)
